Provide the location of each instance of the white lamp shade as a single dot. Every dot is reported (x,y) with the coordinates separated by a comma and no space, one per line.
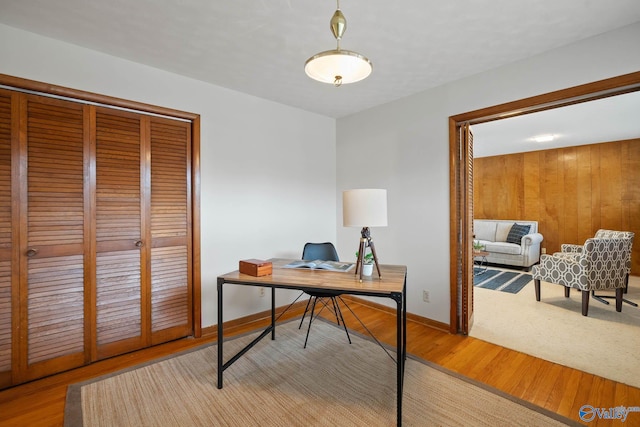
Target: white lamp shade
(364,208)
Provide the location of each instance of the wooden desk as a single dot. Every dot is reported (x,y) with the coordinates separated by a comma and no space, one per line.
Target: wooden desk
(393,284)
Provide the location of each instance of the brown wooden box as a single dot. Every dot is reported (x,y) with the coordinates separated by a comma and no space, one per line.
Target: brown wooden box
(255,267)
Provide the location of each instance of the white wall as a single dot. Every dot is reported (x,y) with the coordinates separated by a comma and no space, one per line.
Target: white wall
(256,201)
(268,170)
(404,146)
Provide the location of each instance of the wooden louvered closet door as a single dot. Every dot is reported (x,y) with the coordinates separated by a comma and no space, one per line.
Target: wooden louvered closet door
(96,233)
(120,210)
(143,235)
(52,244)
(6,241)
(171,303)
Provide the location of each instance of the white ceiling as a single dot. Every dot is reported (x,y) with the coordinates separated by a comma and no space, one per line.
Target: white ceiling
(259,46)
(608,119)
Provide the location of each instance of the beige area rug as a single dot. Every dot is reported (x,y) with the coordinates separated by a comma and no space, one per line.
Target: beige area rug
(605,343)
(278,383)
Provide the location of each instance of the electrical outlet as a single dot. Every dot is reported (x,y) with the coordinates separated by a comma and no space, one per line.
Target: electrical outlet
(261,292)
(425,296)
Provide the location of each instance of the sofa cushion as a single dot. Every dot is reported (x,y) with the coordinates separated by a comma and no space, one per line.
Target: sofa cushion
(517,232)
(485,230)
(503,248)
(503,231)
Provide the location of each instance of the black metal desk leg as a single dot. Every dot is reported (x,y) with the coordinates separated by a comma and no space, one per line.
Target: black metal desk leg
(273,313)
(220,332)
(404,323)
(399,356)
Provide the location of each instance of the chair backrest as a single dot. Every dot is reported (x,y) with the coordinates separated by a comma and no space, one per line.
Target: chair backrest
(604,262)
(324,251)
(613,234)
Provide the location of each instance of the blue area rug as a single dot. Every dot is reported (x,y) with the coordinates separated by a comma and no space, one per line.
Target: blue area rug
(499,280)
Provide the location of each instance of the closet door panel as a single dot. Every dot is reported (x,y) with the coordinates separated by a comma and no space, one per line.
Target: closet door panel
(6,241)
(56,307)
(118,310)
(120,303)
(171,300)
(54,230)
(170,297)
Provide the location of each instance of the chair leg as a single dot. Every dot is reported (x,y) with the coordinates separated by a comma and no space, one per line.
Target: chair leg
(599,298)
(602,299)
(313,315)
(536,285)
(619,292)
(567,291)
(313,309)
(626,283)
(344,325)
(585,303)
(336,309)
(626,288)
(305,311)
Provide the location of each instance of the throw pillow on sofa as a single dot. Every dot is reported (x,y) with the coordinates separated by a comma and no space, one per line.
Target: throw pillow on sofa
(517,232)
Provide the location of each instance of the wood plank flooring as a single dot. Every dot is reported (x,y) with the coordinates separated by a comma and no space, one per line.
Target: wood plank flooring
(560,389)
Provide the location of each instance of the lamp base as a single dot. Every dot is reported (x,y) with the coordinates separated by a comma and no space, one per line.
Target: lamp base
(366,240)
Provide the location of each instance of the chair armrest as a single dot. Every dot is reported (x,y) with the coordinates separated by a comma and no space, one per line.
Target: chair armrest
(567,247)
(559,256)
(549,265)
(567,255)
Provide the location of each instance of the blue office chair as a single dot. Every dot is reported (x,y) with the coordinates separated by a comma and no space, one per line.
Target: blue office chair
(326,252)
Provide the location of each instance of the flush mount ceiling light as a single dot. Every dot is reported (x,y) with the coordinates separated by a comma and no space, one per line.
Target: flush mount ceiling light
(338,66)
(544,138)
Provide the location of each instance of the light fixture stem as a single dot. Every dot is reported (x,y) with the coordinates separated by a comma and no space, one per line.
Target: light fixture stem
(338,66)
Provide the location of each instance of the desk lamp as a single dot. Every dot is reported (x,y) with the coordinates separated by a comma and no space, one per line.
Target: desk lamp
(365,208)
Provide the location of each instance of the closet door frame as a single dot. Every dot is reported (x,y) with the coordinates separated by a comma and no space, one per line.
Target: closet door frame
(142,108)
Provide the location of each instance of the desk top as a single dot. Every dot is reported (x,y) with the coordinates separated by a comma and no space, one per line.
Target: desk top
(392,280)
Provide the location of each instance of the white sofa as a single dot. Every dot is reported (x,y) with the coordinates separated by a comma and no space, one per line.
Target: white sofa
(492,234)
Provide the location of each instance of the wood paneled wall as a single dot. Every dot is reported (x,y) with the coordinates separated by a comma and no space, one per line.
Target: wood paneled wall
(572,192)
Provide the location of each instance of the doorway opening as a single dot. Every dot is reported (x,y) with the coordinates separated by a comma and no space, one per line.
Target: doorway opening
(461,178)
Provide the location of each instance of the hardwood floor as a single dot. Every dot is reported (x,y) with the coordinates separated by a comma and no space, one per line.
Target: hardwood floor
(557,388)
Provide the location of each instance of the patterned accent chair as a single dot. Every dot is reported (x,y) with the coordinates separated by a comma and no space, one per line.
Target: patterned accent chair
(601,264)
(572,250)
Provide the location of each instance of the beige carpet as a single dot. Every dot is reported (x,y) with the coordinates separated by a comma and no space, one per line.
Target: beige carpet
(278,383)
(605,343)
